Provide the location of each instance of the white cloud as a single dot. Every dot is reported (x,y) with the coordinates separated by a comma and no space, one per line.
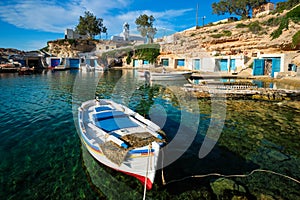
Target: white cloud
(55,15)
(163,20)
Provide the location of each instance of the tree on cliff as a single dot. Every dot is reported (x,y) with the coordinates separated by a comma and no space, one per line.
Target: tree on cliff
(286,5)
(241,8)
(145,26)
(90,25)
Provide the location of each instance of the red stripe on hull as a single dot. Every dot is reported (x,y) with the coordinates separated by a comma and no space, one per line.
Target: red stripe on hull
(142,179)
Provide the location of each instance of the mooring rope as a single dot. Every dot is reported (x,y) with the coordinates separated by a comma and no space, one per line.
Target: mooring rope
(162,168)
(145,185)
(236,175)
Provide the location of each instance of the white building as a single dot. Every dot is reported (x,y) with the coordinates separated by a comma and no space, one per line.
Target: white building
(71,34)
(125,36)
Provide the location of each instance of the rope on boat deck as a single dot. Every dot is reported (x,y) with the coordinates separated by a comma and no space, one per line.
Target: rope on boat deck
(145,184)
(236,175)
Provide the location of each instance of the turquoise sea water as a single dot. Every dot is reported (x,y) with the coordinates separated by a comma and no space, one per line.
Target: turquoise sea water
(42,157)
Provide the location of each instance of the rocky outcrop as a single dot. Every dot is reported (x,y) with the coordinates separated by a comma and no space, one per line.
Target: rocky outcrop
(235,38)
(5,52)
(71,48)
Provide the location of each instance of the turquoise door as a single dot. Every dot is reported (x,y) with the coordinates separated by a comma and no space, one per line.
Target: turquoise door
(95,63)
(145,62)
(165,62)
(180,62)
(197,64)
(88,61)
(275,65)
(232,65)
(136,63)
(223,65)
(258,67)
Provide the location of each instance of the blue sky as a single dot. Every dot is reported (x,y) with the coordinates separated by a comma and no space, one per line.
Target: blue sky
(29,24)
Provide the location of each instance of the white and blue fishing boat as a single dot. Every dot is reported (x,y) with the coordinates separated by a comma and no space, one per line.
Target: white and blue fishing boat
(120,138)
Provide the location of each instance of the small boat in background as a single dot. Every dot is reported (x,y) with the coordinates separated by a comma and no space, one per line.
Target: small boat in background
(91,64)
(26,70)
(165,76)
(120,138)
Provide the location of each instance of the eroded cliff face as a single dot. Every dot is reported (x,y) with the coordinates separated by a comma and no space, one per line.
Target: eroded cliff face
(247,37)
(71,48)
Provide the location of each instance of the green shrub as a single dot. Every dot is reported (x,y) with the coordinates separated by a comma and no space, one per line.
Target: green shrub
(71,41)
(148,52)
(241,25)
(284,24)
(219,35)
(274,21)
(251,65)
(255,27)
(294,14)
(128,59)
(61,42)
(296,39)
(227,33)
(224,33)
(281,6)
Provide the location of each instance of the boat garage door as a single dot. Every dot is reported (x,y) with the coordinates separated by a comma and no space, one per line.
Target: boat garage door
(232,65)
(223,65)
(74,63)
(135,63)
(275,65)
(55,62)
(165,62)
(196,64)
(180,62)
(258,67)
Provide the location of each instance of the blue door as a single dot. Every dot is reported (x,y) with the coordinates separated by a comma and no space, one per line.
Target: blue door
(232,65)
(74,63)
(145,62)
(165,62)
(180,62)
(96,63)
(223,65)
(197,64)
(55,62)
(88,61)
(258,67)
(136,63)
(23,62)
(275,65)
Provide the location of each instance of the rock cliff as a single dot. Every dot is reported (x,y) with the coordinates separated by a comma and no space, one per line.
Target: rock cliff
(247,37)
(70,47)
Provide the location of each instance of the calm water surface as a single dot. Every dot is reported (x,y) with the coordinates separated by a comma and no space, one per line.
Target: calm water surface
(42,157)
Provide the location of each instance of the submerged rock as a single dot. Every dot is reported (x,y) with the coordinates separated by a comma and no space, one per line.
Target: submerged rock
(266,197)
(226,187)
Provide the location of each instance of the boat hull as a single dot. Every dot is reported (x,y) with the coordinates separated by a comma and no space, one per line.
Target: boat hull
(139,162)
(167,76)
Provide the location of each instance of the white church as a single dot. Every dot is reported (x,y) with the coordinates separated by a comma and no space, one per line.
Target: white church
(125,36)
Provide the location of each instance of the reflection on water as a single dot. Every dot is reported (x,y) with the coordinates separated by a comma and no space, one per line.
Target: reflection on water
(108,183)
(42,157)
